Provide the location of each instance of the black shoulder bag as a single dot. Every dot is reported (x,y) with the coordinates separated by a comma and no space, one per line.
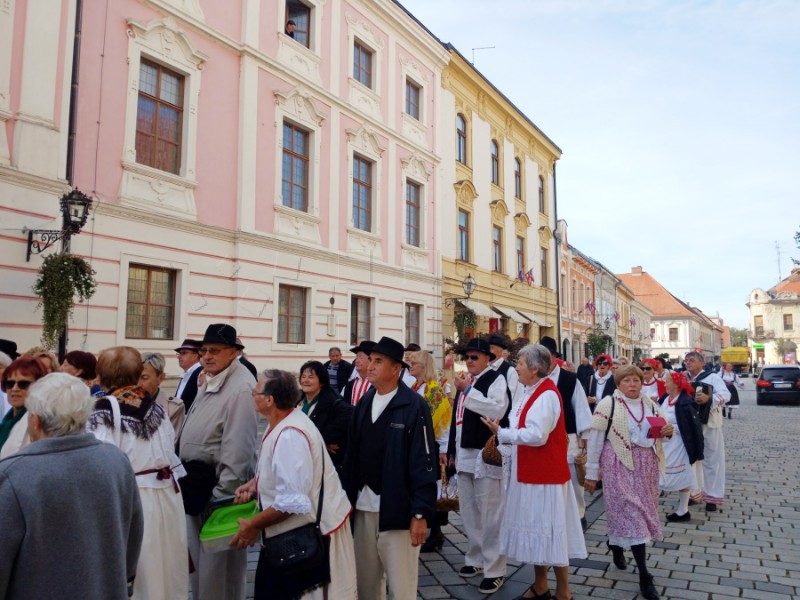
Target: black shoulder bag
(296,560)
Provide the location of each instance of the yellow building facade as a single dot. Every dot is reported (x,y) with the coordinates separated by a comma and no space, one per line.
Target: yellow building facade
(498,231)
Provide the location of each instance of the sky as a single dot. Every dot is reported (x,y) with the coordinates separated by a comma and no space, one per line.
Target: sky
(679,123)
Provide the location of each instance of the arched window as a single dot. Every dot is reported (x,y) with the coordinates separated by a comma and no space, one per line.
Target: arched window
(495,163)
(461,139)
(517,179)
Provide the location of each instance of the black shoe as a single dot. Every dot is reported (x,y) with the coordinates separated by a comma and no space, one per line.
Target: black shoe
(647,588)
(619,556)
(490,586)
(676,518)
(433,543)
(522,596)
(584,524)
(693,502)
(468,571)
(711,508)
(730,414)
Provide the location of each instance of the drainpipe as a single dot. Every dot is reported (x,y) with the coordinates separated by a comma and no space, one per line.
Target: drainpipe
(558,265)
(73,94)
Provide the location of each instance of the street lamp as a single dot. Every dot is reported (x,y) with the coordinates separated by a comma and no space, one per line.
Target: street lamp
(74,213)
(469,285)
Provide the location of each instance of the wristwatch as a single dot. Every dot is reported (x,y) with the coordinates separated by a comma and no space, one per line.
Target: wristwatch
(419,516)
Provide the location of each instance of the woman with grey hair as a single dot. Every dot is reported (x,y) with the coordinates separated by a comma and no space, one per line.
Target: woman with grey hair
(541,524)
(132,420)
(153,375)
(292,464)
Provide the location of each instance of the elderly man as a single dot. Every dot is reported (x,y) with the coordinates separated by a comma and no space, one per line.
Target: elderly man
(711,470)
(338,370)
(72,519)
(585,372)
(189,360)
(217,444)
(498,345)
(390,475)
(358,385)
(577,418)
(481,488)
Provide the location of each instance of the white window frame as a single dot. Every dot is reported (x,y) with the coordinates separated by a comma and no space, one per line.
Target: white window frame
(373,311)
(421,306)
(368,99)
(278,347)
(364,142)
(294,56)
(307,315)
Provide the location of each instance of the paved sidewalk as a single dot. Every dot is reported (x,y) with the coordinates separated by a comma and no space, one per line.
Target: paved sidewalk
(749,550)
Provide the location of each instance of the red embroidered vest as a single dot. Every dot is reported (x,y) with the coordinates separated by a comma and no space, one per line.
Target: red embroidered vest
(544,464)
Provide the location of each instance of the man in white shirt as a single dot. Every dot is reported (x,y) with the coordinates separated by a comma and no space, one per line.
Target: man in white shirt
(188,360)
(498,345)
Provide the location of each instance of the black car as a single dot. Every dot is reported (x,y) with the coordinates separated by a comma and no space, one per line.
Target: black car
(778,384)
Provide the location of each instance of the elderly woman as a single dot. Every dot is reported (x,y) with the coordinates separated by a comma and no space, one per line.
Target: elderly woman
(541,524)
(423,368)
(651,386)
(16,379)
(150,381)
(631,462)
(326,409)
(686,445)
(133,421)
(292,465)
(83,365)
(732,382)
(48,359)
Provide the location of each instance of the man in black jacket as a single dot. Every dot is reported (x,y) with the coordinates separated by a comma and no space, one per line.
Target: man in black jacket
(188,360)
(339,370)
(390,475)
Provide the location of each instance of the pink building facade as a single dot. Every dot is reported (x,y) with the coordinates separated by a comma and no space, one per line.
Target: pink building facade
(285,184)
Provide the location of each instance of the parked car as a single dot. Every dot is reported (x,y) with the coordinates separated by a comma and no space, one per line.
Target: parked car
(778,384)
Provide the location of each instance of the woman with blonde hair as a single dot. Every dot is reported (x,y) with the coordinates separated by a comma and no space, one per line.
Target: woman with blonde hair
(153,375)
(423,368)
(47,358)
(631,458)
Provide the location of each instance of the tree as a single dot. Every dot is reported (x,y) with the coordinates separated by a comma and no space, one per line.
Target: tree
(598,341)
(738,336)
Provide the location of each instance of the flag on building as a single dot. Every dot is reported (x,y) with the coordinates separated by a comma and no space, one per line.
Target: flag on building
(529,277)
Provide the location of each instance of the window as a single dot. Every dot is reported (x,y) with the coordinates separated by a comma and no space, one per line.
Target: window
(564,294)
(301,15)
(543,260)
(362,64)
(461,139)
(517,179)
(758,325)
(463,235)
(788,324)
(521,257)
(362,193)
(673,334)
(413,319)
(495,163)
(413,93)
(413,193)
(360,319)
(542,205)
(574,296)
(150,313)
(292,314)
(652,333)
(295,167)
(159,118)
(497,249)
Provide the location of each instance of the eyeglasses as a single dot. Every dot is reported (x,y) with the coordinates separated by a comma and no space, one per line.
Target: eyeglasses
(213,351)
(184,352)
(21,384)
(473,357)
(602,364)
(647,368)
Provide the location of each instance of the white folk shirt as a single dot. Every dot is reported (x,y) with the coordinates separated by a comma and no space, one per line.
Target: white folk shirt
(512,378)
(582,412)
(491,406)
(650,388)
(185,378)
(368,500)
(721,396)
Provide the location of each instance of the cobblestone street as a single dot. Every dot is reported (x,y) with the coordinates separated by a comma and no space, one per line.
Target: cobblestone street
(749,550)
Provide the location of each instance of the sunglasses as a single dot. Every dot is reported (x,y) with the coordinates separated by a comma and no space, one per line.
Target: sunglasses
(473,356)
(602,364)
(23,385)
(647,368)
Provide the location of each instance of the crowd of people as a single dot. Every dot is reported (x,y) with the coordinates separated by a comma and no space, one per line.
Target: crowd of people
(112,476)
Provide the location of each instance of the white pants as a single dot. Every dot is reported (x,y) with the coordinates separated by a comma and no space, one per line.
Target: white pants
(710,471)
(483,502)
(217,575)
(384,556)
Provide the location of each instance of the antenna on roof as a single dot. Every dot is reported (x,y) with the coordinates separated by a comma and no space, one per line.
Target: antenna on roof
(778,252)
(480,48)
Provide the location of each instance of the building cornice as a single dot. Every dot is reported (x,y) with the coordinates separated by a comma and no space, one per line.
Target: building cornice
(38,183)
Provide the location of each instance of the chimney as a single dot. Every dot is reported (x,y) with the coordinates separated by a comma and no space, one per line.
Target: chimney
(636,271)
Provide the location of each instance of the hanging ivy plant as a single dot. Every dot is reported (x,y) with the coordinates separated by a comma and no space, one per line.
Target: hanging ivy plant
(61,278)
(464,319)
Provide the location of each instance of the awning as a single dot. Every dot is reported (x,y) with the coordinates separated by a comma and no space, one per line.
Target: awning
(533,318)
(479,309)
(511,315)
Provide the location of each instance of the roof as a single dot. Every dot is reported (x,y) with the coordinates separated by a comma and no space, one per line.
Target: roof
(790,284)
(655,296)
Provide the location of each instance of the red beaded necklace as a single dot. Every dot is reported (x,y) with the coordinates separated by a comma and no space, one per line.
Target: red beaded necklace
(671,402)
(640,419)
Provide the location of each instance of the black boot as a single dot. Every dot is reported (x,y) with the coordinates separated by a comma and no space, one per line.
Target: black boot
(619,556)
(647,588)
(434,542)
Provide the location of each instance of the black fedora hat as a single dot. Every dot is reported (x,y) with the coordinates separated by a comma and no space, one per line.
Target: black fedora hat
(10,348)
(365,346)
(391,348)
(550,344)
(481,346)
(498,340)
(193,345)
(221,333)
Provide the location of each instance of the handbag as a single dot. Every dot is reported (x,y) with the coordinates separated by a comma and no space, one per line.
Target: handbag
(447,499)
(491,454)
(295,562)
(580,467)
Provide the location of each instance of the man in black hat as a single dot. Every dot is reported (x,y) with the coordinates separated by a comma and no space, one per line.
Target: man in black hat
(498,345)
(390,475)
(577,418)
(480,486)
(407,377)
(220,437)
(189,360)
(359,385)
(10,348)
